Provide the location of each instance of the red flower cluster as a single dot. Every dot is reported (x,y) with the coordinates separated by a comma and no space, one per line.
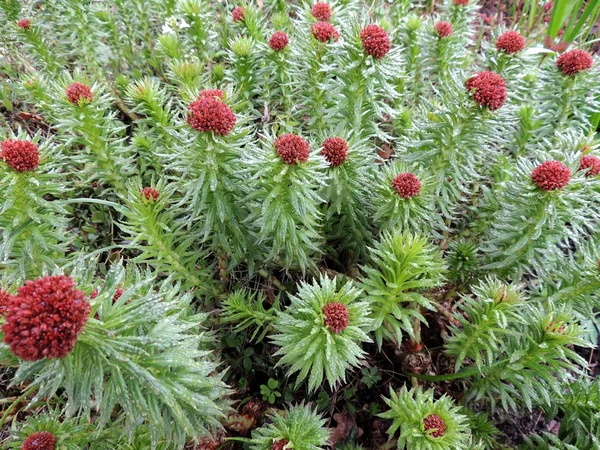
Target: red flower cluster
(375,41)
(443,29)
(510,42)
(574,61)
(488,89)
(44,319)
(335,151)
(324,32)
(211,114)
(407,185)
(292,149)
(592,163)
(461,2)
(22,156)
(211,93)
(436,423)
(238,13)
(4,300)
(278,41)
(551,175)
(79,91)
(321,11)
(24,24)
(279,444)
(40,440)
(150,193)
(336,316)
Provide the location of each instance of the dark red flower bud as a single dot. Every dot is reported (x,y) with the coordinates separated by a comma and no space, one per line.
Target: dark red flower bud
(278,41)
(5,298)
(407,185)
(279,444)
(149,193)
(551,175)
(238,13)
(548,6)
(211,114)
(25,24)
(40,440)
(324,32)
(574,61)
(79,91)
(592,163)
(292,149)
(21,156)
(375,41)
(212,93)
(321,11)
(443,29)
(335,151)
(435,425)
(45,318)
(510,42)
(336,316)
(461,2)
(488,89)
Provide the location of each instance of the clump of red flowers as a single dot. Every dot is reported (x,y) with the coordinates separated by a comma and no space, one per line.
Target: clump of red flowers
(279,444)
(292,149)
(488,89)
(79,91)
(551,175)
(24,24)
(40,440)
(510,42)
(435,423)
(150,193)
(375,41)
(407,185)
(574,61)
(212,93)
(21,156)
(238,13)
(321,11)
(336,317)
(211,114)
(335,151)
(324,32)
(443,29)
(278,41)
(4,299)
(592,163)
(45,317)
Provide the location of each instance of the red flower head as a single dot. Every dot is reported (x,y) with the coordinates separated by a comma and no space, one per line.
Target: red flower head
(407,185)
(149,193)
(278,41)
(335,151)
(211,114)
(218,93)
(321,11)
(40,440)
(5,298)
(551,175)
(375,41)
(292,149)
(281,443)
(574,61)
(488,89)
(510,42)
(435,424)
(324,32)
(238,13)
(24,24)
(79,91)
(336,316)
(592,163)
(461,2)
(548,6)
(443,29)
(44,319)
(22,156)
